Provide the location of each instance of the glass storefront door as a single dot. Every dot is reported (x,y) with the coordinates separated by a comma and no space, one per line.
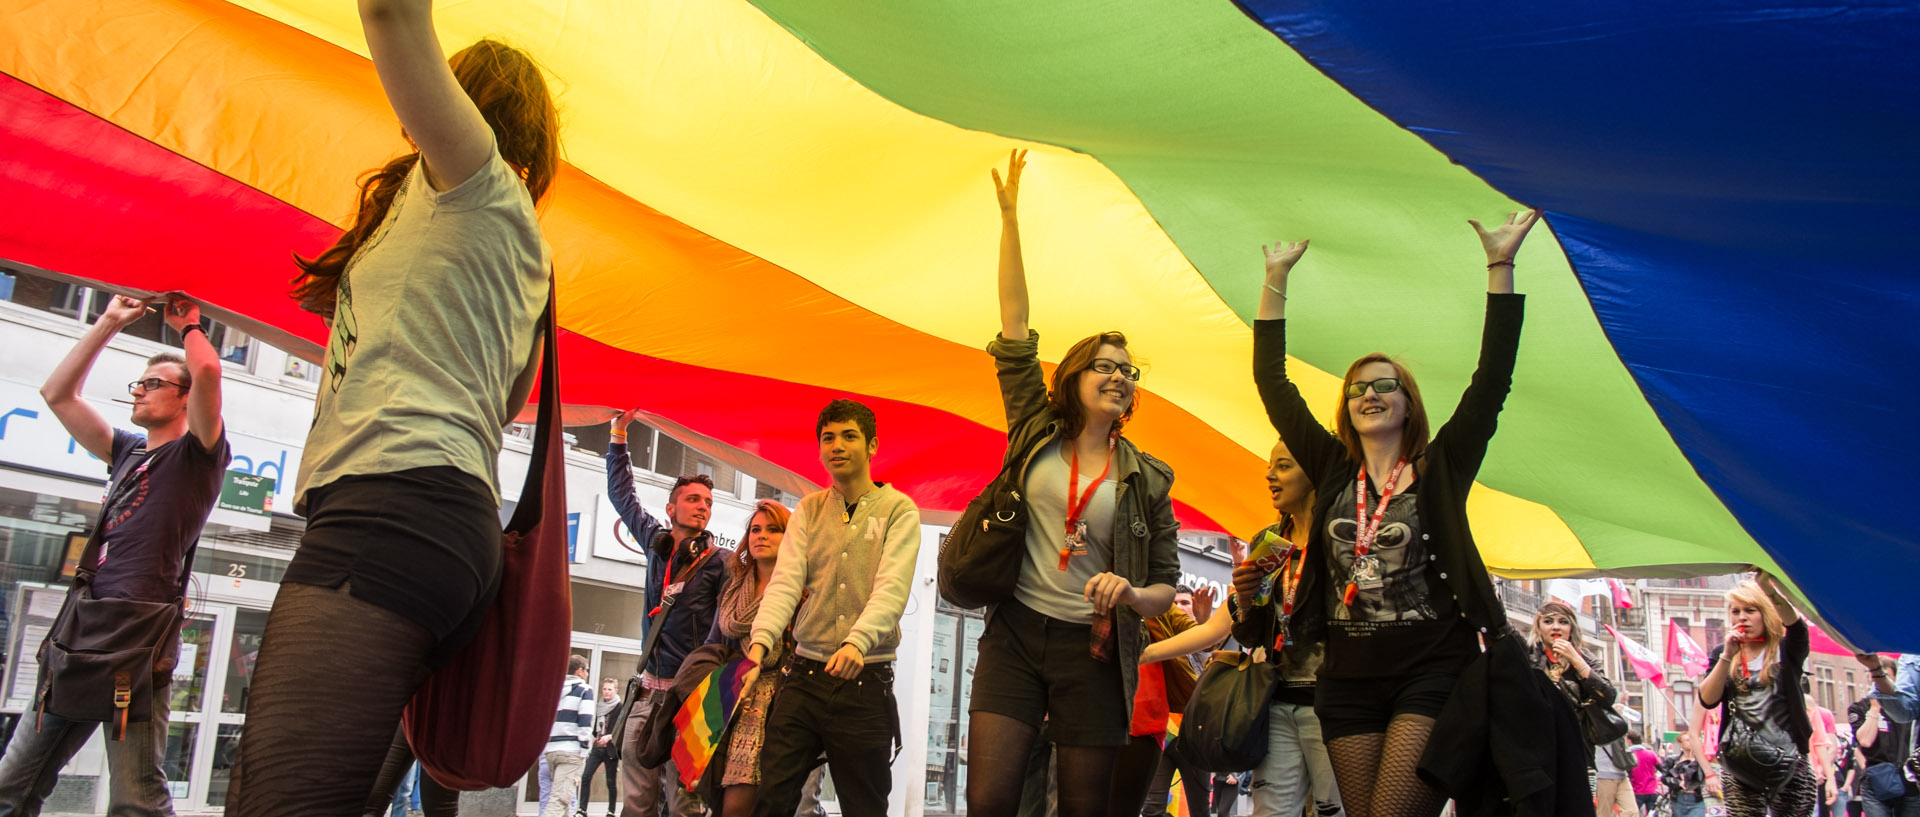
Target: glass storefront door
(956,635)
(607,657)
(218,646)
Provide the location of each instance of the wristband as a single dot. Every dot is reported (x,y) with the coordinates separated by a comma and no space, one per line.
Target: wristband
(192,327)
(1276,290)
(1504,262)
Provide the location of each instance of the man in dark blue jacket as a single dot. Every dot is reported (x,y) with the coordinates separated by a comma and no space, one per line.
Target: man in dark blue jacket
(685,571)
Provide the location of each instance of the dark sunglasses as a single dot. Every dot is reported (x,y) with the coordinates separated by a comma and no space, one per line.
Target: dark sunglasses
(151,384)
(1102,365)
(1385,385)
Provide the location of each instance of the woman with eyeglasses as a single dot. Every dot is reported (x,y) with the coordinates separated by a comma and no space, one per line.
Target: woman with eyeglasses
(1100,558)
(1395,587)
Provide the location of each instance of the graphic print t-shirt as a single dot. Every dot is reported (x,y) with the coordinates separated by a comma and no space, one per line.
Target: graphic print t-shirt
(1411,624)
(434,319)
(1890,745)
(156,514)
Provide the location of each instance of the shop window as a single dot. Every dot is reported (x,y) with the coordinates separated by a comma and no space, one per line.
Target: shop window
(298,369)
(607,611)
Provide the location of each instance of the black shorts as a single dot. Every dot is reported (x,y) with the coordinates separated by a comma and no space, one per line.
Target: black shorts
(1348,707)
(1034,668)
(424,543)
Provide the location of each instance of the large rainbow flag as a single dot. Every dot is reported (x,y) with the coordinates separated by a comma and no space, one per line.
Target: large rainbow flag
(1717,364)
(703,718)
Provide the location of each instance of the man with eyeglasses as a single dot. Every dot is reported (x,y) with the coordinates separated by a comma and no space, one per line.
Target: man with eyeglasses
(162,486)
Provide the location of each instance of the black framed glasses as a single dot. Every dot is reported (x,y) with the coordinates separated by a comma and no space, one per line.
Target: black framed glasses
(1383,386)
(1102,365)
(152,383)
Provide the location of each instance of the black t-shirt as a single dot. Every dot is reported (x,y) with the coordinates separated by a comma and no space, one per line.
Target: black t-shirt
(155,511)
(1409,625)
(1890,746)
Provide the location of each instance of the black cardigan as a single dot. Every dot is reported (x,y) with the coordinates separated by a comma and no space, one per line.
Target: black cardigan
(1446,471)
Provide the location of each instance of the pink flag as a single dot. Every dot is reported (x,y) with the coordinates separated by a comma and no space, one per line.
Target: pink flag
(1683,650)
(1621,598)
(1644,664)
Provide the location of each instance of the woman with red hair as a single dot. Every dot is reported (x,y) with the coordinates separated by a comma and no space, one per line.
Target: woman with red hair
(1395,587)
(434,296)
(1101,557)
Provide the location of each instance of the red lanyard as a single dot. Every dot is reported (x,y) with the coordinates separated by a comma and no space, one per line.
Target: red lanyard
(1290,571)
(1077,502)
(1365,528)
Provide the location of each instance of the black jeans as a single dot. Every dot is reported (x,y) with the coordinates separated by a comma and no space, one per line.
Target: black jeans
(595,759)
(854,722)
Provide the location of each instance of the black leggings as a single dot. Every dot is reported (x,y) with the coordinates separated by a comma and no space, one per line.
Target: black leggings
(333,676)
(435,800)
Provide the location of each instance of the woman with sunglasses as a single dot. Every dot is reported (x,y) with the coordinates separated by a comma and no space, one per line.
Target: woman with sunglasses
(1765,733)
(1101,557)
(1395,587)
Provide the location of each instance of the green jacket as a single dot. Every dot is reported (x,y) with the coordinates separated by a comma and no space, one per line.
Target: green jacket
(1146,548)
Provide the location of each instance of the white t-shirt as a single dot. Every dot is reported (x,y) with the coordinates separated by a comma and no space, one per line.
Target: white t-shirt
(435,319)
(1043,586)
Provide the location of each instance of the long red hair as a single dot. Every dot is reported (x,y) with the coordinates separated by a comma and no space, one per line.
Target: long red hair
(511,93)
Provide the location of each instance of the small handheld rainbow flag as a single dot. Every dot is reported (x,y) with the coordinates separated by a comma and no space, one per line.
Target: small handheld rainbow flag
(702,719)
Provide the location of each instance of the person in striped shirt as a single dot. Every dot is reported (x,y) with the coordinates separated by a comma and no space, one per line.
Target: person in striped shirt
(567,743)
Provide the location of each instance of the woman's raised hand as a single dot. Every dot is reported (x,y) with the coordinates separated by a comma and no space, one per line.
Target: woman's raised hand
(1503,240)
(1282,255)
(1007,189)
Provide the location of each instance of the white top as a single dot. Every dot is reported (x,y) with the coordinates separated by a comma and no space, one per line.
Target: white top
(435,319)
(1043,586)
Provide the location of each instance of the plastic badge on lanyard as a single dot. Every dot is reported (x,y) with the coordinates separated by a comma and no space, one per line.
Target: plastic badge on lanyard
(1367,573)
(1076,541)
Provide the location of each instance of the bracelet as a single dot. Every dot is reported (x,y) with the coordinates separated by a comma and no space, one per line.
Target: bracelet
(1502,262)
(1276,290)
(193,327)
(619,437)
(1877,675)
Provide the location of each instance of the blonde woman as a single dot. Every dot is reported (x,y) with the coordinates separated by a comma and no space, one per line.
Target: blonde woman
(1755,682)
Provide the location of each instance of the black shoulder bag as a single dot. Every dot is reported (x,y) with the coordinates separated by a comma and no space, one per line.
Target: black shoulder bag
(100,656)
(1225,726)
(981,555)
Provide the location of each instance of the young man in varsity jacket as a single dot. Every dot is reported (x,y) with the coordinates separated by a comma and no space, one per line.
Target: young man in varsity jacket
(850,549)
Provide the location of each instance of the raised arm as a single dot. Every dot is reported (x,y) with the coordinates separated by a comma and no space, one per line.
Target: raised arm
(1204,636)
(436,113)
(1312,446)
(1775,594)
(1501,243)
(1477,415)
(203,365)
(620,491)
(62,389)
(1013,268)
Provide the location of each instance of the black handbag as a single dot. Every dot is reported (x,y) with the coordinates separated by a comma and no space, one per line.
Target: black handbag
(1601,724)
(1762,760)
(100,656)
(981,555)
(1224,729)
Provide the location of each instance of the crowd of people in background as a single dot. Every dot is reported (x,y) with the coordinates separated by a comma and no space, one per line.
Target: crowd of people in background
(1398,683)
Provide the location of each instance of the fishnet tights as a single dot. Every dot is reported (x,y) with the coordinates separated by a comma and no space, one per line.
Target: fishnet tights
(1376,771)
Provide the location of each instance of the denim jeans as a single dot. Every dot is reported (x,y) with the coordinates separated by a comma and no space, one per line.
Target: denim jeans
(1908,806)
(1688,805)
(645,789)
(42,745)
(1296,766)
(403,796)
